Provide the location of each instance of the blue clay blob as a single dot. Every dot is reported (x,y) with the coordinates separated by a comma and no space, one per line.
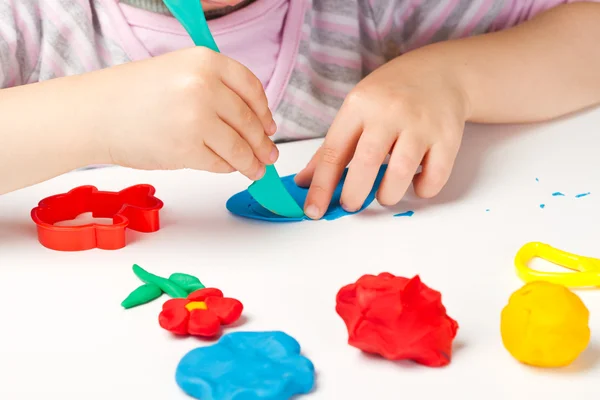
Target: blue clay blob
(555,194)
(243,204)
(582,195)
(247,366)
(405,214)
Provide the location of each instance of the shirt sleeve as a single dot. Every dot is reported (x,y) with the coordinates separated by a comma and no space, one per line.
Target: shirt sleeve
(20,41)
(404,25)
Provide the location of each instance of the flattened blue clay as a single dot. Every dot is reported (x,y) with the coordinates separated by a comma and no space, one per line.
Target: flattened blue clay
(244,205)
(247,366)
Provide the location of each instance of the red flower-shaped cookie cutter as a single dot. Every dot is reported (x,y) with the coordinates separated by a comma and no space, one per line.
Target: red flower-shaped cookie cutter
(135,208)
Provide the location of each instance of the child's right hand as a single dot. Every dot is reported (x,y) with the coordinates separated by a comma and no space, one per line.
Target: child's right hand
(189,109)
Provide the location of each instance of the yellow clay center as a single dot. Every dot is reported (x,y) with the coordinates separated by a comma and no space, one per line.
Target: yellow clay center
(545,325)
(196,305)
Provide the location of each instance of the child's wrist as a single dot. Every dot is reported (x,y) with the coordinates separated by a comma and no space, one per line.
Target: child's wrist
(99,118)
(86,128)
(437,62)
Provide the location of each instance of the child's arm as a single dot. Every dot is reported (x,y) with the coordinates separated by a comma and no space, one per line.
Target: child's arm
(415,107)
(189,109)
(48,129)
(542,69)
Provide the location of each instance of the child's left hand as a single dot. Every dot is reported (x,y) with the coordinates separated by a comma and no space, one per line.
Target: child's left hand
(409,109)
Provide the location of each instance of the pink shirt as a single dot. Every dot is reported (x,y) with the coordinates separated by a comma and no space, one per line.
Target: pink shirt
(253,36)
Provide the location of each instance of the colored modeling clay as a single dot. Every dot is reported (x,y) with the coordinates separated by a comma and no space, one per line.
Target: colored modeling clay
(555,194)
(187,282)
(405,214)
(542,206)
(201,314)
(397,318)
(135,208)
(545,325)
(584,271)
(268,191)
(247,365)
(142,295)
(177,286)
(244,205)
(582,195)
(165,285)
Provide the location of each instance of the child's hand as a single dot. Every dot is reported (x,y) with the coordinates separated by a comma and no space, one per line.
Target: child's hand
(414,112)
(190,109)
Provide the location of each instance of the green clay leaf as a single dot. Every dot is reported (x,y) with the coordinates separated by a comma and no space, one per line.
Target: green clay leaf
(142,295)
(165,285)
(188,282)
(193,288)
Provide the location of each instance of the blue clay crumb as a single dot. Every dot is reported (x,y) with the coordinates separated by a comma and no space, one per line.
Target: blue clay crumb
(557,194)
(537,180)
(405,214)
(582,195)
(487,210)
(542,205)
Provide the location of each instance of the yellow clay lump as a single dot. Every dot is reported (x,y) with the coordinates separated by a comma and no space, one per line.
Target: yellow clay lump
(545,325)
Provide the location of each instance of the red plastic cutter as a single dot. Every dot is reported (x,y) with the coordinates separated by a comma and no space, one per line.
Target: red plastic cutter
(134,207)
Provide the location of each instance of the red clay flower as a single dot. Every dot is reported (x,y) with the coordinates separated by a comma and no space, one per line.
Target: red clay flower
(397,318)
(201,314)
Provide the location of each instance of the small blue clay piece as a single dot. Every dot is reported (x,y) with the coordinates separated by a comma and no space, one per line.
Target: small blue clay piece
(405,214)
(542,206)
(247,366)
(555,194)
(582,195)
(244,205)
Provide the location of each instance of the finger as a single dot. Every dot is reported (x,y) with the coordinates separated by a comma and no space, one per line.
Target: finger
(373,147)
(232,148)
(336,152)
(304,177)
(236,113)
(208,160)
(437,167)
(404,162)
(249,88)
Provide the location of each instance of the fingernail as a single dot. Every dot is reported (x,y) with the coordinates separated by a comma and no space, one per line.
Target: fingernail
(260,173)
(347,209)
(274,155)
(312,212)
(273,128)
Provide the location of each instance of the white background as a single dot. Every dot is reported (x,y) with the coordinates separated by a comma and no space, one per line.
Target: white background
(63,334)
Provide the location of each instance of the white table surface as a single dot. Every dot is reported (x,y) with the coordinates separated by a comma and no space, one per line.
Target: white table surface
(63,334)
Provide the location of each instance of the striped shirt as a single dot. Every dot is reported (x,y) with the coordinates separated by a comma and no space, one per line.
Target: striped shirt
(333,45)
